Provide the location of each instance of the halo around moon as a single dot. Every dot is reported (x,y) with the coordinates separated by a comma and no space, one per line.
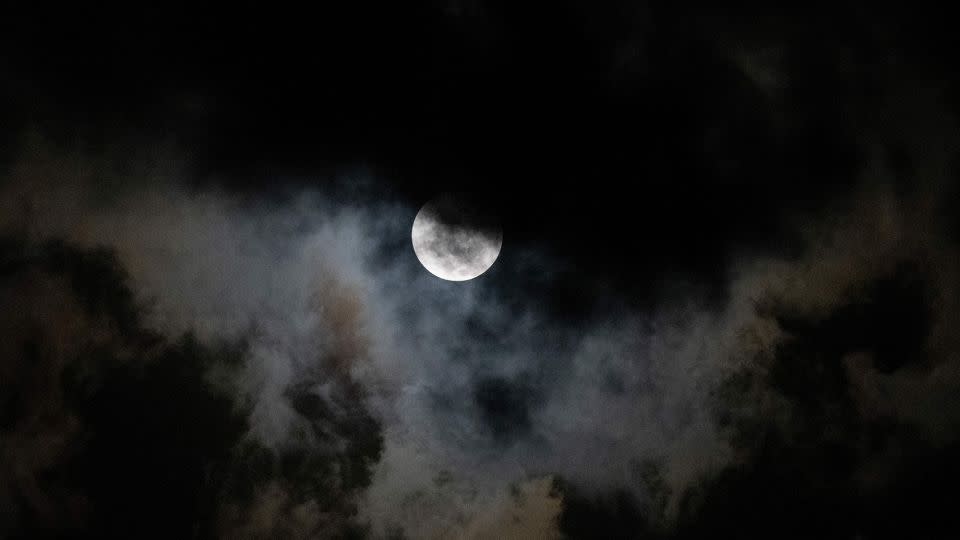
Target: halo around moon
(454,241)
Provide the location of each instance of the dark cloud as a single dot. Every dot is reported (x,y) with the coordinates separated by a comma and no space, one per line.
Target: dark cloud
(92,439)
(110,429)
(369,398)
(725,304)
(503,406)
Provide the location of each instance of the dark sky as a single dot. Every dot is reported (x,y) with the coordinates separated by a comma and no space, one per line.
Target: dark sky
(724,306)
(611,121)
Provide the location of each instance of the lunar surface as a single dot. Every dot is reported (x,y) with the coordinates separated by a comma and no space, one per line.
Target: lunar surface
(453,240)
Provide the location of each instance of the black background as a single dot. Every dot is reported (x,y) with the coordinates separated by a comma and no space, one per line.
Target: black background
(620,135)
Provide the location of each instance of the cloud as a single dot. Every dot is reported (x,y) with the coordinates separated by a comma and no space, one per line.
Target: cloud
(87,397)
(378,398)
(332,315)
(279,412)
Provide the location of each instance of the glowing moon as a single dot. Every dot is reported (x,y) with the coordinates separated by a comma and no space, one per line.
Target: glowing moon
(454,241)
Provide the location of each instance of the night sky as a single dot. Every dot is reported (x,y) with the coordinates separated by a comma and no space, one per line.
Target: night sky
(727,303)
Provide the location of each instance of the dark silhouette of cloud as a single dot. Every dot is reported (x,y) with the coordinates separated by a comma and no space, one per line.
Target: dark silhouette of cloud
(725,305)
(110,429)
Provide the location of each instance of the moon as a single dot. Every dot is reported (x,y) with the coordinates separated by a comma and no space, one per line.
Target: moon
(453,240)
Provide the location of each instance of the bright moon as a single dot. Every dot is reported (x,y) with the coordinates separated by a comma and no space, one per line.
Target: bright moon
(453,241)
